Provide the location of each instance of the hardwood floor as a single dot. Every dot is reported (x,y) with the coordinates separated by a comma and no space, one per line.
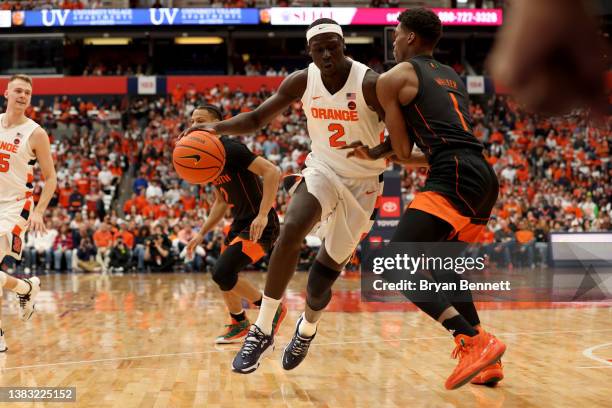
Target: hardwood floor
(147,341)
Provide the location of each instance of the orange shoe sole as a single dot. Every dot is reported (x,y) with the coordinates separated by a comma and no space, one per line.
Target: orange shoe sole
(493,354)
(489,377)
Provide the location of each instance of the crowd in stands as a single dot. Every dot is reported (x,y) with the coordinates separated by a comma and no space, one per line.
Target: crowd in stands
(101,69)
(120,206)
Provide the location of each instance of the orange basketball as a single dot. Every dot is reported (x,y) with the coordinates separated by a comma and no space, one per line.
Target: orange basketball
(199,157)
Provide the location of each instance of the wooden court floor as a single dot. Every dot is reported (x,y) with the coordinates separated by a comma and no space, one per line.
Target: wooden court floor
(147,341)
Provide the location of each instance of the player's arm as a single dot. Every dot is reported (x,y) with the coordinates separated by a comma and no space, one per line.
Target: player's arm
(417,159)
(394,88)
(39,142)
(271,178)
(217,212)
(292,88)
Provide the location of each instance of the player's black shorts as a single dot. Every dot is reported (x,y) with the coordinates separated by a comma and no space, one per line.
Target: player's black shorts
(466,179)
(240,232)
(462,189)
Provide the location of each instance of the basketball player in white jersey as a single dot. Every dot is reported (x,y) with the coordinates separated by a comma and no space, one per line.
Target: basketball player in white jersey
(339,100)
(22,143)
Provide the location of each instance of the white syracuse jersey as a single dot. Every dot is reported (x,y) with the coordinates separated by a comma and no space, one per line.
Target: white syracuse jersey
(16,161)
(341,119)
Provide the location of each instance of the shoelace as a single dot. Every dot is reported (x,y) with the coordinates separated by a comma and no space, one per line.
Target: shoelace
(251,342)
(460,351)
(299,346)
(23,299)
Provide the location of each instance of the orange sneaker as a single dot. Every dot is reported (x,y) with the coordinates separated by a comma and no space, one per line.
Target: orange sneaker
(234,332)
(475,353)
(281,312)
(490,375)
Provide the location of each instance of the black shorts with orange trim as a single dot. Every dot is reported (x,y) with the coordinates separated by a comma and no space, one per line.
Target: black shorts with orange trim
(240,234)
(462,189)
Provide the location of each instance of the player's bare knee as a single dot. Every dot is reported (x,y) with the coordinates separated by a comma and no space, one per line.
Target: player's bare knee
(320,281)
(3,279)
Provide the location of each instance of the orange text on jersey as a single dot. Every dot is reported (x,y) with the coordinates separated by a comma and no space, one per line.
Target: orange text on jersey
(9,147)
(335,114)
(222,179)
(446,82)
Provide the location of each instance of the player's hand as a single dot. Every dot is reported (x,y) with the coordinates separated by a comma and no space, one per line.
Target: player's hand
(191,246)
(257,227)
(544,68)
(36,223)
(206,127)
(359,150)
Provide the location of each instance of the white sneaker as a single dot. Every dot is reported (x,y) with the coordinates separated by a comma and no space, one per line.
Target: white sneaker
(3,347)
(26,302)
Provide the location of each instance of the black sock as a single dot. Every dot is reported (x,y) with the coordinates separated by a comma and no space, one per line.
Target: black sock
(458,325)
(258,302)
(240,317)
(468,311)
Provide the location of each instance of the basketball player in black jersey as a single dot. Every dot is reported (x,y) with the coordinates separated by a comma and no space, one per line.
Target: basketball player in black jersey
(426,104)
(253,231)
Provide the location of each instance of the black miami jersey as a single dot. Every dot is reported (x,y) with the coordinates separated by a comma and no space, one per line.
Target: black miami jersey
(243,190)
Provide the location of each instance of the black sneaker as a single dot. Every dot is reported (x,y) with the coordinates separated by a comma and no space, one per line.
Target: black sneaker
(296,350)
(255,347)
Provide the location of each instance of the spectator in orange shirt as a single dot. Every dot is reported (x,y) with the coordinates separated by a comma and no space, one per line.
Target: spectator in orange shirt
(126,234)
(141,201)
(103,239)
(525,239)
(64,195)
(127,206)
(83,185)
(188,200)
(574,209)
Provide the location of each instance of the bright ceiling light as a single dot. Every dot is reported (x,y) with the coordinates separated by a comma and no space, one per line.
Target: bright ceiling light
(198,40)
(359,40)
(107,41)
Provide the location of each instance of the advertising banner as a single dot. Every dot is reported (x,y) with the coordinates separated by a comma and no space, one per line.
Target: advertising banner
(376,16)
(136,17)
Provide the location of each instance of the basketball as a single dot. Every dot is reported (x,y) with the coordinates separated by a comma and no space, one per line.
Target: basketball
(199,157)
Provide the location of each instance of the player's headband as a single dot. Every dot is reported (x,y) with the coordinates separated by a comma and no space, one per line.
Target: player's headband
(324,29)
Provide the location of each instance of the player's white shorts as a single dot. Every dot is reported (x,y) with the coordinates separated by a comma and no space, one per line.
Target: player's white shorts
(347,204)
(13,218)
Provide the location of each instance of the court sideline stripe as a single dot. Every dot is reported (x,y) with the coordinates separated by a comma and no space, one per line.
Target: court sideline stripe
(191,353)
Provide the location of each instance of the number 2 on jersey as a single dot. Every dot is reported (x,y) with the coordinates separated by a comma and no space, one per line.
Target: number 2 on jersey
(338,130)
(4,163)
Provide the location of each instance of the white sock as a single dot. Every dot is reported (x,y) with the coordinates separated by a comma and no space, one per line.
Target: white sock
(266,314)
(306,328)
(22,288)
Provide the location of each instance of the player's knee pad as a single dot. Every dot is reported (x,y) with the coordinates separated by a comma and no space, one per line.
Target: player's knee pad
(232,261)
(320,281)
(225,276)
